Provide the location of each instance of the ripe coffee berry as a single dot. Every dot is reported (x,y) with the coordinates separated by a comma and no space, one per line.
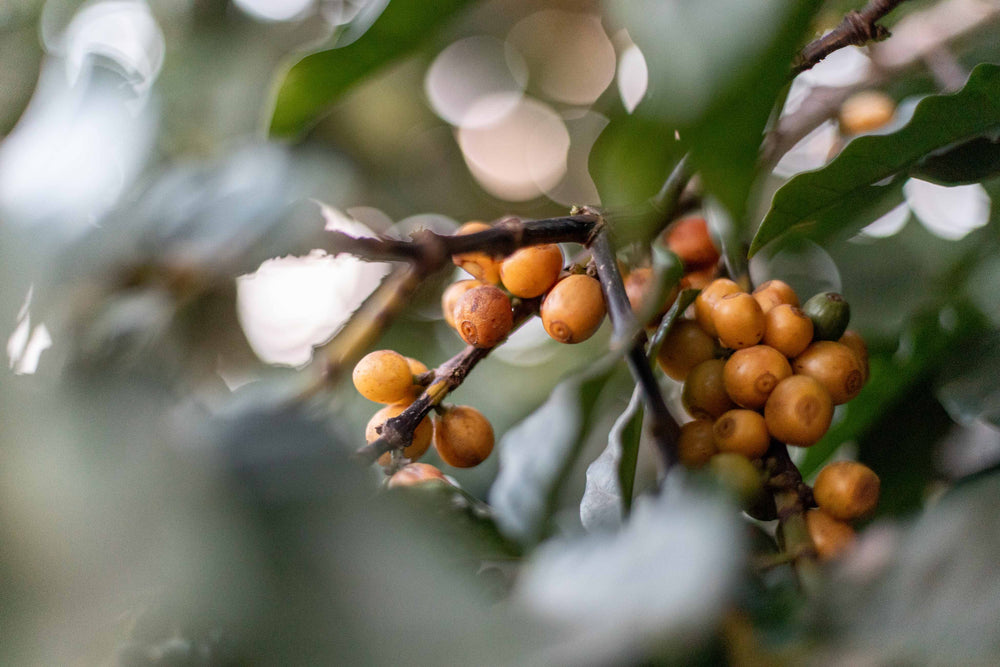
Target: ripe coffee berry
(639,288)
(685,346)
(706,300)
(696,444)
(463,437)
(478,264)
(830,536)
(421,435)
(704,394)
(788,329)
(738,320)
(866,111)
(531,271)
(383,376)
(774,293)
(742,432)
(451,296)
(853,340)
(574,309)
(690,241)
(416,473)
(834,366)
(483,316)
(847,490)
(798,411)
(751,374)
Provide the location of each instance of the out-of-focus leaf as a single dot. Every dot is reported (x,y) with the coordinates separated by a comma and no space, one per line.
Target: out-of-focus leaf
(695,86)
(684,299)
(927,594)
(666,576)
(312,84)
(970,391)
(970,162)
(851,179)
(537,454)
(607,498)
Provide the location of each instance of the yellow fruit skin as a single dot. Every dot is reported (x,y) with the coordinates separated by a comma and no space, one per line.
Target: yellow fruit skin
(738,320)
(774,293)
(835,367)
(416,473)
(696,444)
(421,435)
(788,329)
(531,271)
(866,111)
(451,296)
(463,437)
(574,309)
(478,264)
(685,346)
(742,432)
(847,490)
(798,411)
(383,376)
(830,536)
(483,316)
(706,300)
(853,340)
(752,373)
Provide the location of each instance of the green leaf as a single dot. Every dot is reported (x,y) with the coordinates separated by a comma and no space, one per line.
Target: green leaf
(971,162)
(853,177)
(684,299)
(970,391)
(607,498)
(537,455)
(315,82)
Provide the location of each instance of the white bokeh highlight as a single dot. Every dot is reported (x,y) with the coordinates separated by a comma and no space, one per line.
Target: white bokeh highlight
(948,212)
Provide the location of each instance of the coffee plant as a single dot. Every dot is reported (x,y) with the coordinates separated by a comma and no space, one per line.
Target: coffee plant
(671,330)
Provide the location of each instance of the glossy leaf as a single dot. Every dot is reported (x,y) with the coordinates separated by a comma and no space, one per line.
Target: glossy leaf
(315,82)
(854,177)
(970,162)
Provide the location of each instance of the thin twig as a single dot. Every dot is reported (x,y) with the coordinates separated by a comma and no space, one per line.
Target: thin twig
(856,29)
(792,498)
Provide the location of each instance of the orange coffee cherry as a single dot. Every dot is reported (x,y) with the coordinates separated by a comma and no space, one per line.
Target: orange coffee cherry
(742,432)
(835,366)
(830,536)
(416,473)
(788,329)
(853,340)
(847,490)
(463,437)
(705,303)
(690,241)
(639,286)
(478,264)
(451,296)
(685,346)
(417,367)
(531,271)
(866,111)
(483,316)
(696,444)
(774,293)
(574,309)
(421,435)
(751,374)
(704,394)
(383,376)
(699,278)
(738,320)
(798,411)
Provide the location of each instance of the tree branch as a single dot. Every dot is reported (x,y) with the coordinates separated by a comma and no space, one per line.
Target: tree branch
(792,498)
(856,29)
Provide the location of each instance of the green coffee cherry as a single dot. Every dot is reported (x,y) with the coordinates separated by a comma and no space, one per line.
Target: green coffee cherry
(739,476)
(830,314)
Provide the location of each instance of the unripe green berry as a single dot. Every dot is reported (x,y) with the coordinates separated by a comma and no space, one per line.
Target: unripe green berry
(830,314)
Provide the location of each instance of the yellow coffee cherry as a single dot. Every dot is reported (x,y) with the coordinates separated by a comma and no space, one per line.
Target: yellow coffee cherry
(774,293)
(847,490)
(478,264)
(413,474)
(690,241)
(531,271)
(696,444)
(798,411)
(574,309)
(853,340)
(451,296)
(704,394)
(463,437)
(830,536)
(383,376)
(708,297)
(685,346)
(421,435)
(835,366)
(738,320)
(752,373)
(483,316)
(866,111)
(742,432)
(787,329)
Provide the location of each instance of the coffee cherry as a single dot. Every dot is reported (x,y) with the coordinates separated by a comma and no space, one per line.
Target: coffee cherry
(830,314)
(738,320)
(788,329)
(737,475)
(866,111)
(417,367)
(639,287)
(416,473)
(685,346)
(478,264)
(798,411)
(835,366)
(690,241)
(830,536)
(574,309)
(383,376)
(463,437)
(774,293)
(751,374)
(742,432)
(847,490)
(451,296)
(696,444)
(704,394)
(705,303)
(421,435)
(531,271)
(483,316)
(699,278)
(853,340)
